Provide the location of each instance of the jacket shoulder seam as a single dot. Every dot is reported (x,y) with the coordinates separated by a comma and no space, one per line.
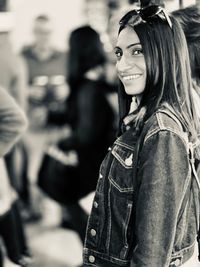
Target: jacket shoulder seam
(162,127)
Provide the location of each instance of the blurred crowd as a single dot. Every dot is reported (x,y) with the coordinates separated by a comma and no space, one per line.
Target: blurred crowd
(71,108)
(70,101)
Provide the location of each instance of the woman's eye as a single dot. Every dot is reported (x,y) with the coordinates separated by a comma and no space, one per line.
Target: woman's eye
(118,54)
(136,52)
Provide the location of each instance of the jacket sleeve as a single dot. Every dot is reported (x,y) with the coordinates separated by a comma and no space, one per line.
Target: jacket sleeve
(13,122)
(163,172)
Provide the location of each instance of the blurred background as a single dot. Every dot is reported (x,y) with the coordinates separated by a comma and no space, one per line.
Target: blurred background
(66,16)
(57,61)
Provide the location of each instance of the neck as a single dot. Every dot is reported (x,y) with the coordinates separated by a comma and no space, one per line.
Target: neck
(138,99)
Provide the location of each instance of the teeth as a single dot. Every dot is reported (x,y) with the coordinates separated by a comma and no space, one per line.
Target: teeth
(131,77)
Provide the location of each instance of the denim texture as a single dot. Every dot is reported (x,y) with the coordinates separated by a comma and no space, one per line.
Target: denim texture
(157,228)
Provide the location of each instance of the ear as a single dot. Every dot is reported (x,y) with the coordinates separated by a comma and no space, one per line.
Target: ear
(145,3)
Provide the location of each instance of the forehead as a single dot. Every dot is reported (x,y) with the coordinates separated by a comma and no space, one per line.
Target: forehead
(126,37)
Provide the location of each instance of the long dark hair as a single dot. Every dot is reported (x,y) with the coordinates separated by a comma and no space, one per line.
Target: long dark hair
(168,72)
(85,52)
(189,18)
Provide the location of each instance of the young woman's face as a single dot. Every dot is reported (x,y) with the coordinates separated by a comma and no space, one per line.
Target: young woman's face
(130,64)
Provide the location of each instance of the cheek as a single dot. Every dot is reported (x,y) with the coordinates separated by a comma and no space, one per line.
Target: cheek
(117,66)
(117,69)
(142,64)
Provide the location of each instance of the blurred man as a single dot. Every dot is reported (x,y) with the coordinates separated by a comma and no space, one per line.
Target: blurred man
(47,92)
(46,72)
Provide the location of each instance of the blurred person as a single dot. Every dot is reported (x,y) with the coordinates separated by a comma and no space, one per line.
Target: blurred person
(13,79)
(12,124)
(146,207)
(91,118)
(189,18)
(47,92)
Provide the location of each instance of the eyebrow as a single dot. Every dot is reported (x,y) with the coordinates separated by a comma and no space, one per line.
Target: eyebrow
(129,46)
(133,45)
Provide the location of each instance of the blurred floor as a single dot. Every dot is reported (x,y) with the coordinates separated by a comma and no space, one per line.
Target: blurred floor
(51,245)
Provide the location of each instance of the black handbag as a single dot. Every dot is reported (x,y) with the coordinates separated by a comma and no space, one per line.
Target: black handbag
(58,173)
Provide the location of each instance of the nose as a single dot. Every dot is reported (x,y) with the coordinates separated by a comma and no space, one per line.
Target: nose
(123,64)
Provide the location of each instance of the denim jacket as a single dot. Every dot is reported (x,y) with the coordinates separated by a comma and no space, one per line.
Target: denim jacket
(153,224)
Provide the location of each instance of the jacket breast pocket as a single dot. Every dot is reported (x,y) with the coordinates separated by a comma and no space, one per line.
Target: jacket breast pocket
(121,171)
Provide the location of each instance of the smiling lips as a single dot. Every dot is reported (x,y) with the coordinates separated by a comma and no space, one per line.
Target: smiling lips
(131,77)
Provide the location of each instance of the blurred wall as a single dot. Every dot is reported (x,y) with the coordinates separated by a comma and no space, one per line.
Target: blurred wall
(174,4)
(66,15)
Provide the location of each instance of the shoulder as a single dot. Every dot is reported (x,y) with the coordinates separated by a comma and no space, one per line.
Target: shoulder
(166,124)
(59,55)
(87,88)
(27,50)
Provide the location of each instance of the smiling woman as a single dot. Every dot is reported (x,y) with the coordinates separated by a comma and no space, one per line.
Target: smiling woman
(146,207)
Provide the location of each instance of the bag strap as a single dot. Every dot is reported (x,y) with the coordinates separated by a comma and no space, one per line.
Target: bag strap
(192,163)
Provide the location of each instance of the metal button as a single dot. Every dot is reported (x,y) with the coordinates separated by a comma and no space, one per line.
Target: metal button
(129,160)
(177,262)
(96,204)
(93,232)
(91,259)
(100,175)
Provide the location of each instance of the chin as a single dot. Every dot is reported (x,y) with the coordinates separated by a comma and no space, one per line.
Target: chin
(133,91)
